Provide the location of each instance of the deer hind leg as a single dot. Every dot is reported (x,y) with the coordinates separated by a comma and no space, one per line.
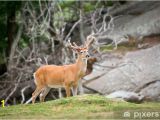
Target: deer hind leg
(44,93)
(36,93)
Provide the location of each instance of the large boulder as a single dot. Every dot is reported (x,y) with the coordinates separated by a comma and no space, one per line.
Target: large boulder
(138,71)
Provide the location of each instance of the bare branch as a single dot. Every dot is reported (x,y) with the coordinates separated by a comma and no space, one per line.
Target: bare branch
(15,88)
(28,101)
(75,24)
(22,93)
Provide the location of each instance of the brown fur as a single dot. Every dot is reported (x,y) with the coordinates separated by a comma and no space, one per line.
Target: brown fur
(66,76)
(90,63)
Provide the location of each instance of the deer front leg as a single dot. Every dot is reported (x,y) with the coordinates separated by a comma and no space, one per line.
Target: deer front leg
(60,93)
(74,90)
(68,92)
(81,91)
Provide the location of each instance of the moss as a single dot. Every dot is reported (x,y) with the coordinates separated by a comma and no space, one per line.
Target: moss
(120,48)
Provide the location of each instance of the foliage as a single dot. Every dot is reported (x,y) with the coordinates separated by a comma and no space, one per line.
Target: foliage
(6,7)
(70,12)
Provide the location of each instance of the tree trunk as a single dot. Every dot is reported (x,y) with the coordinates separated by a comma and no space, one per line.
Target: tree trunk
(11,27)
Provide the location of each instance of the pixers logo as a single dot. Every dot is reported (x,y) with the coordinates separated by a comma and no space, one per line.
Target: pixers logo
(139,115)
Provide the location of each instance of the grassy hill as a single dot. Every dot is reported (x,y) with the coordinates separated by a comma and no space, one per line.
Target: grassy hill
(83,107)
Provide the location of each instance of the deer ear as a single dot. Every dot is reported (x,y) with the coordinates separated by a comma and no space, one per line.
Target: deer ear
(77,50)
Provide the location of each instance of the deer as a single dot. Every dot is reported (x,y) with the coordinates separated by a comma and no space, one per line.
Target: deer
(64,76)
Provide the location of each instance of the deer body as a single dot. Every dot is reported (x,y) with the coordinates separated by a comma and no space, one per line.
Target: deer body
(60,76)
(67,76)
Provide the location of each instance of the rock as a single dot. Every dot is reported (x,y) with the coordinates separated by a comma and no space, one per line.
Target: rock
(126,96)
(145,24)
(137,72)
(151,91)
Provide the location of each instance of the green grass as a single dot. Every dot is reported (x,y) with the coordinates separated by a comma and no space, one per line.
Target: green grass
(120,48)
(83,107)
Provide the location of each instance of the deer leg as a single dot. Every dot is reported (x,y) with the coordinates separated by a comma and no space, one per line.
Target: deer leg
(60,92)
(81,87)
(68,92)
(74,90)
(36,93)
(44,93)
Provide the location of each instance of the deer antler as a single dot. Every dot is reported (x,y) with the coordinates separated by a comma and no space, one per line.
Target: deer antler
(74,46)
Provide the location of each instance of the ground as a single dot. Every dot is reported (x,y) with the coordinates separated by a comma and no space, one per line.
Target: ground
(83,107)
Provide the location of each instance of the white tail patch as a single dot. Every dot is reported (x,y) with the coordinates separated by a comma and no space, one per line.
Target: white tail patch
(34,78)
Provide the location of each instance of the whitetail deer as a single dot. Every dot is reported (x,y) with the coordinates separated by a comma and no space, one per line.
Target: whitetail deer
(67,76)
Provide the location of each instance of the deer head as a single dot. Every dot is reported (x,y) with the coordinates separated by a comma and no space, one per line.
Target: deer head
(82,50)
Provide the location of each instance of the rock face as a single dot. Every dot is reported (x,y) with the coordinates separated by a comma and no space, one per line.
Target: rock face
(137,19)
(137,71)
(151,91)
(144,24)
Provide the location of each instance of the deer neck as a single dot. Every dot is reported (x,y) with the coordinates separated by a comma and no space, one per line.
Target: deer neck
(81,64)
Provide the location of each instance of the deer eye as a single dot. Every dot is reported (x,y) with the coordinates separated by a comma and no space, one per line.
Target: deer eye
(81,51)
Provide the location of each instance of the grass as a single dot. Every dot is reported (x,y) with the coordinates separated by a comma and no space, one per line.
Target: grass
(82,107)
(122,48)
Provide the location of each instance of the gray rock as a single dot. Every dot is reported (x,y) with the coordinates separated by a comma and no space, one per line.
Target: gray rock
(126,96)
(145,24)
(135,71)
(151,91)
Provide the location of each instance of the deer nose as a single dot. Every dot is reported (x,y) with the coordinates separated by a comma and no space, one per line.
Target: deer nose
(87,56)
